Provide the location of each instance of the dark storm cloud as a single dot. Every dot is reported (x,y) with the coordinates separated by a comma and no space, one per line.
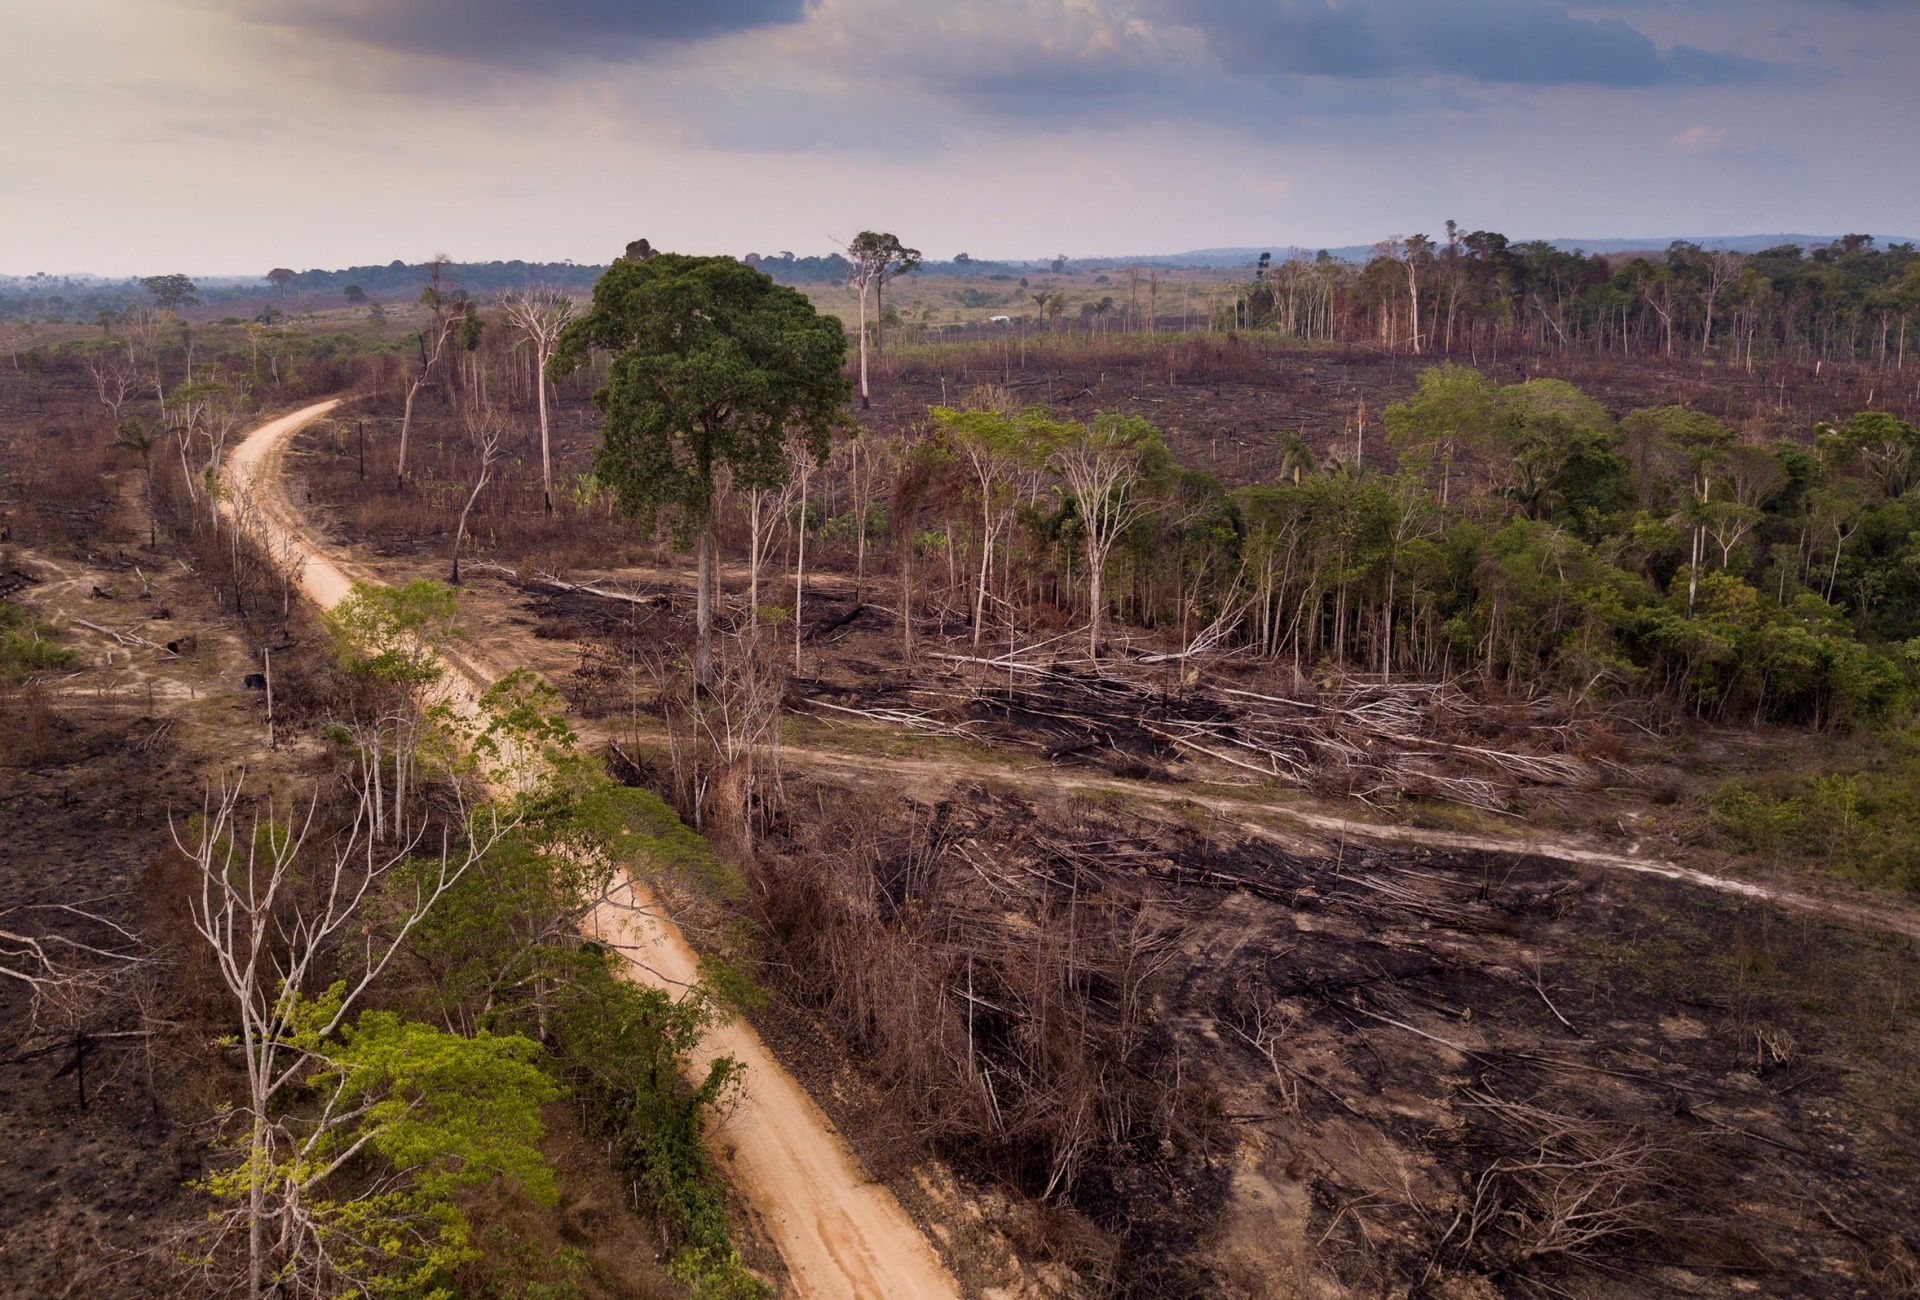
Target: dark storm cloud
(523,32)
(1521,42)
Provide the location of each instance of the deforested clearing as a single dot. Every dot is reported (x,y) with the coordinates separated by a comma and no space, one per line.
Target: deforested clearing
(1287,783)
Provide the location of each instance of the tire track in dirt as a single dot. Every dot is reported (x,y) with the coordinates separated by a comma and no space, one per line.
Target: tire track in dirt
(840,1233)
(1889,916)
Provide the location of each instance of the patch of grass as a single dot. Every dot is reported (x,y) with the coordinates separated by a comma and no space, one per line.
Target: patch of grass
(28,645)
(1435,815)
(1857,813)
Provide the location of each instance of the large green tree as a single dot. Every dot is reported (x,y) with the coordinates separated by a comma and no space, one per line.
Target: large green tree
(171,292)
(714,367)
(1886,446)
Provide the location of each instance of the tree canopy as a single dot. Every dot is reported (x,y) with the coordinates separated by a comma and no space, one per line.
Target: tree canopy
(171,292)
(714,367)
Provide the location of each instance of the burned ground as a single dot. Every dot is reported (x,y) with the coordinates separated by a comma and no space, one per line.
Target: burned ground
(1348,1069)
(1419,1071)
(105,1097)
(1360,1069)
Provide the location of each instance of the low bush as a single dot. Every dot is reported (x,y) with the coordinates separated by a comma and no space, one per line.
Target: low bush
(1860,816)
(29,645)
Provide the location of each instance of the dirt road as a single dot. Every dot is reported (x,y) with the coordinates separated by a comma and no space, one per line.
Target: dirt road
(840,1233)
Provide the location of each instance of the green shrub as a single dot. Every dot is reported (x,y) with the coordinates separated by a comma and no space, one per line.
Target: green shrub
(27,645)
(502,954)
(1861,818)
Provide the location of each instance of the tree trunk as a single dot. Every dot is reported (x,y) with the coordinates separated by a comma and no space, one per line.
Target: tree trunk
(865,403)
(1386,651)
(755,500)
(906,596)
(1693,570)
(703,601)
(257,1202)
(546,449)
(1413,297)
(1096,572)
(986,554)
(800,569)
(460,532)
(860,527)
(406,423)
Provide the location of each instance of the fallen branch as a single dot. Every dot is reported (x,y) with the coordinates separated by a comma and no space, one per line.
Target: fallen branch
(124,638)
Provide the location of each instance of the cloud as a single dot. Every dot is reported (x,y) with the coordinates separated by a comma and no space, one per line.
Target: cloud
(880,76)
(1519,42)
(1707,139)
(1699,139)
(522,33)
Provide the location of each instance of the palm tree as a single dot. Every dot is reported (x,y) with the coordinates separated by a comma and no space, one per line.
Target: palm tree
(1296,458)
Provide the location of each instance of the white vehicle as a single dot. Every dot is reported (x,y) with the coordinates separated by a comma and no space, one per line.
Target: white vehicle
(999,320)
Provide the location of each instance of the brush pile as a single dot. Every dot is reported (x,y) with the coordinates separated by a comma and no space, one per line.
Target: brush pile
(1368,739)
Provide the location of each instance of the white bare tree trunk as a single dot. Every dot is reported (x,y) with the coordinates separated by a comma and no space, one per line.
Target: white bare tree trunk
(413,389)
(703,601)
(864,400)
(800,561)
(272,916)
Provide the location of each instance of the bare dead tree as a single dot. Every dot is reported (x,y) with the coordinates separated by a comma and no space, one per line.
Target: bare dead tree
(279,918)
(765,507)
(1723,268)
(1578,1190)
(1102,468)
(114,378)
(483,429)
(142,325)
(260,550)
(724,738)
(864,462)
(801,465)
(78,968)
(443,330)
(1004,994)
(65,956)
(541,314)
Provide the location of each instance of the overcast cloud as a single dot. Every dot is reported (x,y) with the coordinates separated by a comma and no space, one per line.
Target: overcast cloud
(232,135)
(522,33)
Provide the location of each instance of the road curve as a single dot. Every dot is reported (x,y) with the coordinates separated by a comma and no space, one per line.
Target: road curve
(842,1235)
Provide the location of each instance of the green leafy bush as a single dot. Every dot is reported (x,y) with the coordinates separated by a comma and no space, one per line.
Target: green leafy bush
(1861,819)
(27,645)
(504,954)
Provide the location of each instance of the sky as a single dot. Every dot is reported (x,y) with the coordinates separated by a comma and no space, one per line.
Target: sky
(232,136)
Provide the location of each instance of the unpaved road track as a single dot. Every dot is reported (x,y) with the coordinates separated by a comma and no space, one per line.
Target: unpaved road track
(1265,820)
(840,1233)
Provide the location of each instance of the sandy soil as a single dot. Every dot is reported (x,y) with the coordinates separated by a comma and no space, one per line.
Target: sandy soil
(840,1233)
